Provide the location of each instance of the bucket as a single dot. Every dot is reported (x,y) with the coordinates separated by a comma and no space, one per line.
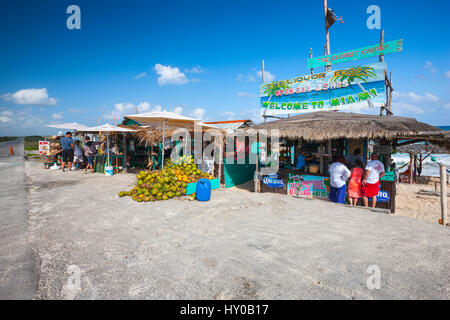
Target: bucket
(203,190)
(109,170)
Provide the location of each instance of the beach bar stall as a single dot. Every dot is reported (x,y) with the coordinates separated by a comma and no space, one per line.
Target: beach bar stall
(323,136)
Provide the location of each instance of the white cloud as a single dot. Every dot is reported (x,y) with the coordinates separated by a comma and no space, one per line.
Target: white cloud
(447,106)
(198,113)
(426,97)
(239,77)
(245,94)
(196,69)
(447,74)
(141,75)
(178,110)
(268,77)
(57,115)
(76,110)
(6,113)
(4,119)
(5,116)
(406,109)
(251,78)
(22,119)
(253,114)
(169,75)
(125,108)
(30,96)
(430,67)
(431,97)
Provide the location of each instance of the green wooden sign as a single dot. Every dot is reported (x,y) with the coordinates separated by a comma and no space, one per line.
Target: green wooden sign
(361,53)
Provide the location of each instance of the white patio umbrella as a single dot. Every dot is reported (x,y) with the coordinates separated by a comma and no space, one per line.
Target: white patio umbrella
(69,126)
(167,119)
(108,129)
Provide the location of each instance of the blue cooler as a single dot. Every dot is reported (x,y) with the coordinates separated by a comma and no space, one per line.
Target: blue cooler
(203,190)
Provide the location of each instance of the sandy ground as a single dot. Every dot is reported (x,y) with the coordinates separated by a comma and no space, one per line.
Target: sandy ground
(239,245)
(411,204)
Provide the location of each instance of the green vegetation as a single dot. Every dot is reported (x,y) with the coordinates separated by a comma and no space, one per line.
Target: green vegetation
(32,142)
(4,139)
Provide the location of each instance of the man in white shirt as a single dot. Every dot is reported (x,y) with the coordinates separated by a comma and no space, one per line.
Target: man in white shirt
(370,185)
(339,174)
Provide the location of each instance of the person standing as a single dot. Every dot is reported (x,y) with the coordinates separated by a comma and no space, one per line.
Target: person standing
(339,174)
(67,150)
(351,158)
(78,155)
(90,150)
(354,185)
(371,180)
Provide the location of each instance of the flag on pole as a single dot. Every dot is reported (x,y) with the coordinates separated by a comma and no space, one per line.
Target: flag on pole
(332,17)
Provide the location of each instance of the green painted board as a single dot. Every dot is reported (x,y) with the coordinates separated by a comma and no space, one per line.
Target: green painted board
(356,54)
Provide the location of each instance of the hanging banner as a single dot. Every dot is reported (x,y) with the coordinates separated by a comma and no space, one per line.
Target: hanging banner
(356,54)
(356,87)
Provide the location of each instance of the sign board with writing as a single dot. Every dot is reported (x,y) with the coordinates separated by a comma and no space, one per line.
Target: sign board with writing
(272,181)
(305,185)
(356,87)
(356,54)
(44,146)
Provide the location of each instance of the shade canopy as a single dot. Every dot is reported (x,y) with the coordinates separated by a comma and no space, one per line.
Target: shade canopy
(68,126)
(168,119)
(106,128)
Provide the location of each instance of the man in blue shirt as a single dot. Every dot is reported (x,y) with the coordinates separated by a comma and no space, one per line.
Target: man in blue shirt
(67,150)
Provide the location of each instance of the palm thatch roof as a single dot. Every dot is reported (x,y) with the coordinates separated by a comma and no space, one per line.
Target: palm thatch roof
(322,126)
(152,135)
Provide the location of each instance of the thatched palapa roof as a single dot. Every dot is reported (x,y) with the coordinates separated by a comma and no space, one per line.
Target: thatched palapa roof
(322,126)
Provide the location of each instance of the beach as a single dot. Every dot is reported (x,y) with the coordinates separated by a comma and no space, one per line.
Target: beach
(411,204)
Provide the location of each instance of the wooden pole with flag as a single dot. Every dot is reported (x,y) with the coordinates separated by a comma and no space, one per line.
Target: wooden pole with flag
(327,34)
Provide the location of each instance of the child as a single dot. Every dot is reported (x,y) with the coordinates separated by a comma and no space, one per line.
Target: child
(78,155)
(354,185)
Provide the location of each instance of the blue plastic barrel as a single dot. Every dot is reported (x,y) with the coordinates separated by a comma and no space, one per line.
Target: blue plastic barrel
(203,190)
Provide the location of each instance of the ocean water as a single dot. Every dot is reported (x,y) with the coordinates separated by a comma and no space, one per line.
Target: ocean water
(429,168)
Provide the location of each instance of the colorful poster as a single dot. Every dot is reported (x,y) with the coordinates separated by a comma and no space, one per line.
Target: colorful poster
(356,87)
(356,54)
(44,146)
(304,185)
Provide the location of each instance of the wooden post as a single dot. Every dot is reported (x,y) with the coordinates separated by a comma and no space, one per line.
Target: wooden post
(391,88)
(410,167)
(125,169)
(220,159)
(443,194)
(322,151)
(255,177)
(310,56)
(327,34)
(262,78)
(415,167)
(381,56)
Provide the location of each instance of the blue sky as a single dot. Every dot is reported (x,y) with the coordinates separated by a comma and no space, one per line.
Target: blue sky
(200,58)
